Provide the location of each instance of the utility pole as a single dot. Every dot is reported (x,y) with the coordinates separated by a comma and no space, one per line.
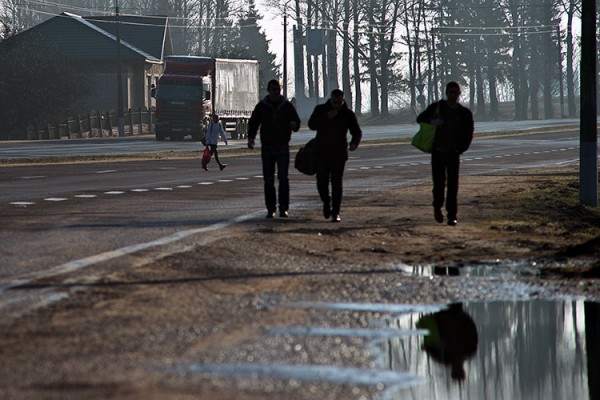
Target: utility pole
(588,149)
(560,73)
(119,76)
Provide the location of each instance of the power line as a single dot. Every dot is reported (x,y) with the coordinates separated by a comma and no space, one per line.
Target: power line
(521,30)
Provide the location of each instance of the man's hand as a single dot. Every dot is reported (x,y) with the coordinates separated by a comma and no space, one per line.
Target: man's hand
(250,143)
(353,146)
(294,125)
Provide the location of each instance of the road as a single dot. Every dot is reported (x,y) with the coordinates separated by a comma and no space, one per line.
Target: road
(78,228)
(134,145)
(55,215)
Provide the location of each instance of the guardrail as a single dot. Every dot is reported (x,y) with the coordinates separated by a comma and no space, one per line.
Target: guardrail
(97,124)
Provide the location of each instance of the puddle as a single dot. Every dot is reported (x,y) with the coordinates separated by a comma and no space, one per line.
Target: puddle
(375,334)
(517,350)
(498,269)
(306,373)
(513,350)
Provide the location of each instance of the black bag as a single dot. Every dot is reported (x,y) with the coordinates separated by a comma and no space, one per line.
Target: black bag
(306,158)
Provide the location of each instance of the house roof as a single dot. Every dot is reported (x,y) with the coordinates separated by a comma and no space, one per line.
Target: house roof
(147,33)
(94,38)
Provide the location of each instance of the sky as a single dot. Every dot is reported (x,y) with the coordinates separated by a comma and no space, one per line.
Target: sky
(272,26)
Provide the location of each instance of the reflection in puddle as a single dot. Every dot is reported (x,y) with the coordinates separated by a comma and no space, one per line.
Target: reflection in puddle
(500,269)
(501,350)
(309,373)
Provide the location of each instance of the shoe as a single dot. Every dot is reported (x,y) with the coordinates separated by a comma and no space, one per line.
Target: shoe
(222,166)
(204,167)
(283,214)
(270,214)
(326,211)
(452,221)
(437,213)
(336,218)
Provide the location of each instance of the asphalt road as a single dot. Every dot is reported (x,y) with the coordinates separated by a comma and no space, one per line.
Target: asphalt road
(135,145)
(54,216)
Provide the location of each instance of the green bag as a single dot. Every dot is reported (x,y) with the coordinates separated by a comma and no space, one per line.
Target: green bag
(423,139)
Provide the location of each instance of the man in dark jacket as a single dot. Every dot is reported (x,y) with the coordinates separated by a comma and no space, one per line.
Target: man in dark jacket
(453,137)
(277,118)
(332,121)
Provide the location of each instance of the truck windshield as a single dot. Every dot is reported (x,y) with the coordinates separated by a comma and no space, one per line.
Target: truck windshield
(178,91)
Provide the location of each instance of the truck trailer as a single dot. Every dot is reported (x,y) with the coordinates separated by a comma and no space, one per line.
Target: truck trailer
(192,88)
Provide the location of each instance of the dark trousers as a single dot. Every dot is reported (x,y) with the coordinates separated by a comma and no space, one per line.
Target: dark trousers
(276,157)
(213,149)
(331,169)
(445,167)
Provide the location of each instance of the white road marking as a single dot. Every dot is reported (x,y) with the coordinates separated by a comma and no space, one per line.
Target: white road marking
(205,183)
(163,188)
(22,203)
(107,171)
(33,177)
(55,199)
(139,190)
(224,180)
(114,192)
(184,186)
(86,196)
(76,265)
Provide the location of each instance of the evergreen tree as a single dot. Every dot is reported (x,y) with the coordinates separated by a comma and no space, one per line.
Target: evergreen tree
(254,45)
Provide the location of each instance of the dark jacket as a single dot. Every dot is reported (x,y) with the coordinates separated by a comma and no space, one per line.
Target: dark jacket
(274,122)
(332,133)
(462,135)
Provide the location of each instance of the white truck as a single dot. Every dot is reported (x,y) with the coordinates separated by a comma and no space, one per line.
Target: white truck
(192,88)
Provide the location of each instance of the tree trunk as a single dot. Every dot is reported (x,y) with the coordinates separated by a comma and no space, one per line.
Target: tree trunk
(373,63)
(309,64)
(357,77)
(346,84)
(494,111)
(570,74)
(549,63)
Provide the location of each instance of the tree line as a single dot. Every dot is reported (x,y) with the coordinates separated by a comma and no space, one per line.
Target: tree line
(401,51)
(519,50)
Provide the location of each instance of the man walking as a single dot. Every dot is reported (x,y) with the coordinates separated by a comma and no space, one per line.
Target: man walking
(332,121)
(453,137)
(277,118)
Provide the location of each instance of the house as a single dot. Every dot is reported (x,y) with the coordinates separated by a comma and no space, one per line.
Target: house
(89,44)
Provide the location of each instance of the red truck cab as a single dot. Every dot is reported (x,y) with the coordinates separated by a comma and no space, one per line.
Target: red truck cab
(183,98)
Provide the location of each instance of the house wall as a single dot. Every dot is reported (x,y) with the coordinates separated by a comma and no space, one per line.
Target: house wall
(102,84)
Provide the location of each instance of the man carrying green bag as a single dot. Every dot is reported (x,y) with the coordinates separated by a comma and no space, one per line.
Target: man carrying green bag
(423,139)
(453,135)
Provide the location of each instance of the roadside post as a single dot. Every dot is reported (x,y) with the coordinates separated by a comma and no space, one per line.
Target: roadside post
(588,150)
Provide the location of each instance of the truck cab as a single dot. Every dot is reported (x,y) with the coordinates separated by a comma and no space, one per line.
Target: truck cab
(183,98)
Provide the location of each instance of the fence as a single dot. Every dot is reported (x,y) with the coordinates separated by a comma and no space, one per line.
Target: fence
(98,124)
